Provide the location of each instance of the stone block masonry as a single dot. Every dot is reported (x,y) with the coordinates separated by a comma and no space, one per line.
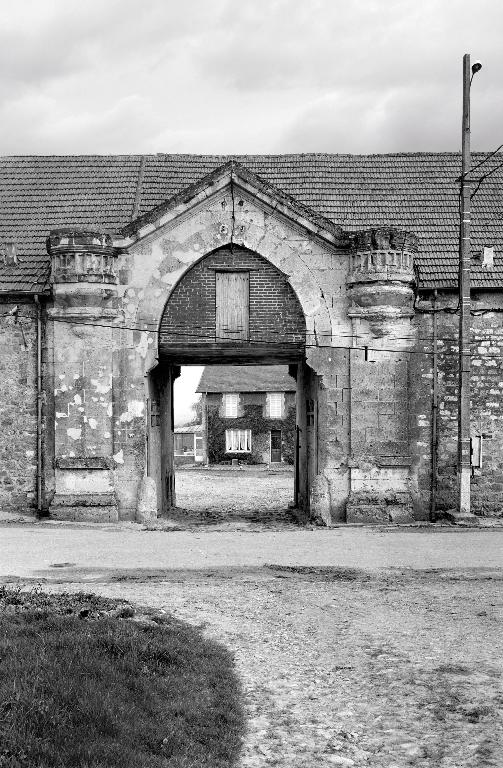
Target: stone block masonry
(381,285)
(84,310)
(341,309)
(486,402)
(112,370)
(18,406)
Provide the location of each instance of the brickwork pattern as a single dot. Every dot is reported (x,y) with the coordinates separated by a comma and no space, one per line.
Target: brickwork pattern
(275,312)
(18,409)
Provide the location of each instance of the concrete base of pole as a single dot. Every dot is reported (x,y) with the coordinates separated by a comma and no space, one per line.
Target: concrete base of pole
(464,479)
(461,518)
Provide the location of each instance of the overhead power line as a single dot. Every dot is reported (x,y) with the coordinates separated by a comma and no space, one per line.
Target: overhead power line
(200,334)
(198,331)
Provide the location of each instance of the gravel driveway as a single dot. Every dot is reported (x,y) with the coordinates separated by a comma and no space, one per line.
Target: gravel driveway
(238,497)
(342,667)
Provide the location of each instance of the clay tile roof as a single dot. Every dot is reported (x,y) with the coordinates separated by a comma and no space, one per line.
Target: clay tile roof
(40,193)
(260,184)
(415,191)
(246,378)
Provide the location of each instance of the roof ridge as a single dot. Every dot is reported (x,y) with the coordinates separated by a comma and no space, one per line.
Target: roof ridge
(238,155)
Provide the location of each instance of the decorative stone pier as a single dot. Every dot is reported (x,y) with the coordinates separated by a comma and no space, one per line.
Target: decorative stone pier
(381,293)
(85,307)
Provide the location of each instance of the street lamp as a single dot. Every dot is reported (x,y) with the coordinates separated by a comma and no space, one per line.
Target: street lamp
(464,448)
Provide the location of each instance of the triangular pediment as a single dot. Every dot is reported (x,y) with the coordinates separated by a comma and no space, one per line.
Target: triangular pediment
(238,178)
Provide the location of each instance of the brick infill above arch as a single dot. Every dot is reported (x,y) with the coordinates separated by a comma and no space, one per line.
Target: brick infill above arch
(276,321)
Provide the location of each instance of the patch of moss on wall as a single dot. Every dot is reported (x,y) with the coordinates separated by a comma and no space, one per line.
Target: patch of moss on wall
(260,426)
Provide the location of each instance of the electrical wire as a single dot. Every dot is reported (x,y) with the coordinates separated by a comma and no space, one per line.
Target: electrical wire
(484,160)
(198,331)
(183,335)
(482,178)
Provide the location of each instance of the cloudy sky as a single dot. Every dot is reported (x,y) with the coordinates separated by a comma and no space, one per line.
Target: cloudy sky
(229,76)
(239,76)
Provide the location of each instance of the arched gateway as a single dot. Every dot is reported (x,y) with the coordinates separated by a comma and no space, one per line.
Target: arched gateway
(230,271)
(233,307)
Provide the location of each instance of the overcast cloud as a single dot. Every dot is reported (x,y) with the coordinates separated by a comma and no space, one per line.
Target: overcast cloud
(251,76)
(238,76)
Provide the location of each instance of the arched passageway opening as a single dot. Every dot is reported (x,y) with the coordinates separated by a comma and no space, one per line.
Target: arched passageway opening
(233,308)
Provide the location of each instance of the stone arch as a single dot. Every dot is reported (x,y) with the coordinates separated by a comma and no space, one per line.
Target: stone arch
(187,336)
(165,273)
(160,260)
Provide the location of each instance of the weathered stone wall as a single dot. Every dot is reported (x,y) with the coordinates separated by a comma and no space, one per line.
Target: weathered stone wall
(305,282)
(18,407)
(330,391)
(381,287)
(486,401)
(380,456)
(81,323)
(364,390)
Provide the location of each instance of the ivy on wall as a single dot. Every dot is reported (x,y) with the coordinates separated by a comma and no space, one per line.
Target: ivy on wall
(260,427)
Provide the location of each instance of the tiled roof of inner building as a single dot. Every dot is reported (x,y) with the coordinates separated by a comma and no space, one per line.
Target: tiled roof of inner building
(246,378)
(416,191)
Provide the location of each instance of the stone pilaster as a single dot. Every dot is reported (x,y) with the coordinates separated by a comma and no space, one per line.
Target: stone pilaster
(381,292)
(85,307)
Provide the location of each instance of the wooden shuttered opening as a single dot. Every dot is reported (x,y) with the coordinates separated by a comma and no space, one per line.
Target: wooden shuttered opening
(275,405)
(231,401)
(232,306)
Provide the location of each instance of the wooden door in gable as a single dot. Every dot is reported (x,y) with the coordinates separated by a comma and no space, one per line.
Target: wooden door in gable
(232,306)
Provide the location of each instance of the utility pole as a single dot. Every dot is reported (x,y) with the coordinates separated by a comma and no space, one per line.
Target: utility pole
(464,446)
(464,463)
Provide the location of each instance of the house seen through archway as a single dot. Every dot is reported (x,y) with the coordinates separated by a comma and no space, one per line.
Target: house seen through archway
(235,328)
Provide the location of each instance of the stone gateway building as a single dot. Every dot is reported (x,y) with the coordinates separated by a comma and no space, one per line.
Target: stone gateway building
(114,271)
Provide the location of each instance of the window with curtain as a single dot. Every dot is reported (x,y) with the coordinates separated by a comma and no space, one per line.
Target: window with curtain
(238,440)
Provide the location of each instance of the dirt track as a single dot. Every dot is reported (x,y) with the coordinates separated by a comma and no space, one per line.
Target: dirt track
(359,647)
(234,497)
(343,667)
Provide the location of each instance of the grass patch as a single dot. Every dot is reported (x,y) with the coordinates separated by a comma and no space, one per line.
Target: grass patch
(80,687)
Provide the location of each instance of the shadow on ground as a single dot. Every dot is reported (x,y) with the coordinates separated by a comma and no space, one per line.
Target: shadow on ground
(93,681)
